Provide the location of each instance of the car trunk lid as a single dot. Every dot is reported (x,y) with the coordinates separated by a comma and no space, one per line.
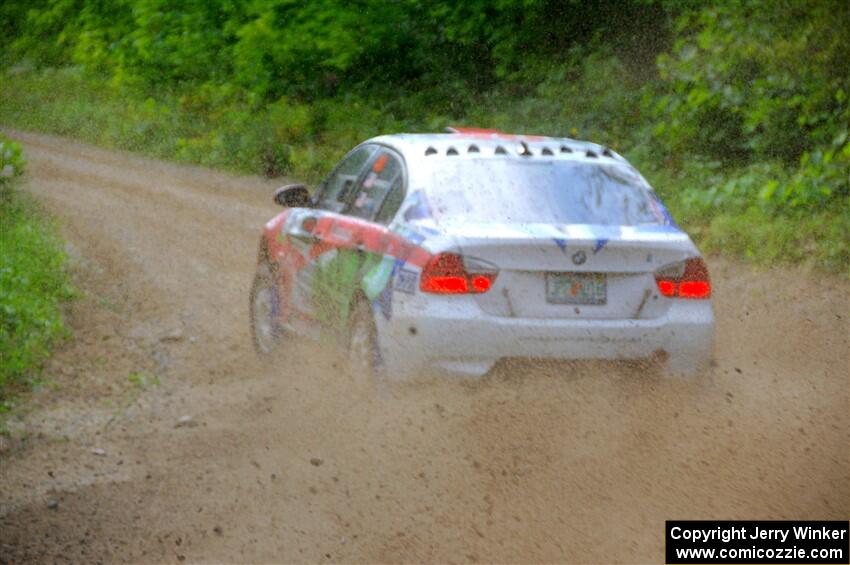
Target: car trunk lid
(572,271)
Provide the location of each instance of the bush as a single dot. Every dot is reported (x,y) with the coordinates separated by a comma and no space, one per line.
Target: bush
(11,162)
(751,119)
(33,281)
(749,80)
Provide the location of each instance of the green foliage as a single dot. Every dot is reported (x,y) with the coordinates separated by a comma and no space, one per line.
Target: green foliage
(33,282)
(738,112)
(732,211)
(11,162)
(589,95)
(808,239)
(748,79)
(753,110)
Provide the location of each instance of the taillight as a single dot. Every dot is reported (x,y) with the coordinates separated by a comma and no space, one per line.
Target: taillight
(450,273)
(686,279)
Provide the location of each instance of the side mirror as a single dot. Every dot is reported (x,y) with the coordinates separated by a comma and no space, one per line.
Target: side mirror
(293,196)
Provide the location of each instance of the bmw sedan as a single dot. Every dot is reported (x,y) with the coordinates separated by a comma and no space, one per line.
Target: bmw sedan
(448,252)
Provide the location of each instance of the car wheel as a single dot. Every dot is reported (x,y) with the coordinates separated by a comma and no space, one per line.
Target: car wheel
(364,357)
(264,327)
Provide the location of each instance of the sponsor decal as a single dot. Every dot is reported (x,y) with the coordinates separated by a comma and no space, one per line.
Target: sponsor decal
(376,279)
(341,232)
(380,163)
(412,236)
(600,244)
(429,230)
(405,281)
(418,208)
(385,299)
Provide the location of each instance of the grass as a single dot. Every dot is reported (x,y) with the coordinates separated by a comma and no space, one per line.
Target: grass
(177,128)
(33,286)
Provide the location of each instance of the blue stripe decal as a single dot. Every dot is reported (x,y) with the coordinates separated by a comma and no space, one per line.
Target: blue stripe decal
(600,244)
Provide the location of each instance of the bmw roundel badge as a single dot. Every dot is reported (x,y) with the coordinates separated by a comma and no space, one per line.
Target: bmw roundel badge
(579,257)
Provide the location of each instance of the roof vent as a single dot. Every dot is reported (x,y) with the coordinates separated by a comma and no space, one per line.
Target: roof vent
(546,151)
(473,149)
(591,154)
(430,151)
(524,150)
(565,149)
(607,152)
(500,150)
(451,151)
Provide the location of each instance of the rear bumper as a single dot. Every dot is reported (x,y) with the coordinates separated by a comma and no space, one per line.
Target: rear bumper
(458,337)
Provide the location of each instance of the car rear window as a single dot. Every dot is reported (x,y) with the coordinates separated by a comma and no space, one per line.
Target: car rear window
(559,192)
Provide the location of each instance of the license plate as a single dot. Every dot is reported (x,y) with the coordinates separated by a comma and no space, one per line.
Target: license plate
(576,288)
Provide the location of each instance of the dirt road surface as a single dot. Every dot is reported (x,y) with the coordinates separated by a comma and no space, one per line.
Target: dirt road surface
(158,437)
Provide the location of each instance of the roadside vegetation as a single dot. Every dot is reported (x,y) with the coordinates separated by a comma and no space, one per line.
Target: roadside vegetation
(33,281)
(737,113)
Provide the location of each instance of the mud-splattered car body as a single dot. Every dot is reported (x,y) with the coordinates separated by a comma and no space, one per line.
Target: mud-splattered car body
(474,246)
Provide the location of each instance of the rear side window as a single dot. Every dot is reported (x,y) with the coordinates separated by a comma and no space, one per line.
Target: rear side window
(379,194)
(391,203)
(337,187)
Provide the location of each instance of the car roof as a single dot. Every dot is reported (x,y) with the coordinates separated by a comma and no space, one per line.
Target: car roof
(477,143)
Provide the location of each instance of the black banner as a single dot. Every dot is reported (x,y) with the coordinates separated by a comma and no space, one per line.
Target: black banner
(752,541)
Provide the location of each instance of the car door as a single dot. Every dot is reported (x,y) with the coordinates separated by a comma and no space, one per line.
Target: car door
(355,242)
(305,233)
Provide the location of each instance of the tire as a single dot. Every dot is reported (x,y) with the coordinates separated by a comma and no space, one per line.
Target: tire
(363,354)
(265,332)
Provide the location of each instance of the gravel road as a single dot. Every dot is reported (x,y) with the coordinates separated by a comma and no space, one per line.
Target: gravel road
(161,438)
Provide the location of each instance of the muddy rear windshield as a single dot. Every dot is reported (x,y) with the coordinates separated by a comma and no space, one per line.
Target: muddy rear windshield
(558,192)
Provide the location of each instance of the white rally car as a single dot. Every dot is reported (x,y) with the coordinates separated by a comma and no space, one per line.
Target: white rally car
(451,251)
